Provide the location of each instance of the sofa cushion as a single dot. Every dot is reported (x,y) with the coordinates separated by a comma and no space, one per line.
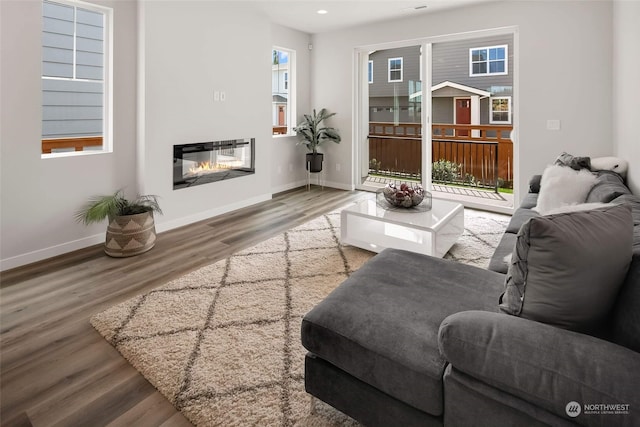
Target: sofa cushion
(381,324)
(519,217)
(505,247)
(608,186)
(634,202)
(546,366)
(534,184)
(626,313)
(567,268)
(529,201)
(561,185)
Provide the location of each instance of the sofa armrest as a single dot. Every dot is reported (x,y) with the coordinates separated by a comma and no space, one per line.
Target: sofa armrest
(534,184)
(542,364)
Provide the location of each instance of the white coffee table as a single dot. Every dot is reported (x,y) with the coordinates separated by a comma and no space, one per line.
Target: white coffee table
(369,226)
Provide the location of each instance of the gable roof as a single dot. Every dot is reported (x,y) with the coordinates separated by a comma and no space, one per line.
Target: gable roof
(448,88)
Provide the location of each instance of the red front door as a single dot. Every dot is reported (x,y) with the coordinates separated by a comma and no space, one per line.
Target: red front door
(463,114)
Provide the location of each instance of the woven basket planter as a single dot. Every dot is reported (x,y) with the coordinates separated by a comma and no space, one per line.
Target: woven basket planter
(130,235)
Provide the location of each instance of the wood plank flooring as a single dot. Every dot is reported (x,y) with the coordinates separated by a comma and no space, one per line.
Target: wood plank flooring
(56,370)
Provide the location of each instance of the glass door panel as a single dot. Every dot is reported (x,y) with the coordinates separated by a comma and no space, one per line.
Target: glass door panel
(394,143)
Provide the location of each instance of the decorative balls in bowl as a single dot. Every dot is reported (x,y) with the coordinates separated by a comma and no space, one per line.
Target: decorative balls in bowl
(403,195)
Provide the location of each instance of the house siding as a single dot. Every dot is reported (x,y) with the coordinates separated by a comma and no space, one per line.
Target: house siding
(73,93)
(410,71)
(451,63)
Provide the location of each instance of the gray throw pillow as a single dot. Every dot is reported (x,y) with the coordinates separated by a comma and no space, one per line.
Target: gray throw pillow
(574,162)
(566,269)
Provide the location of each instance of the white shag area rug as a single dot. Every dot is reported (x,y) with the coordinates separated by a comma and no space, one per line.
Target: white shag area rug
(222,343)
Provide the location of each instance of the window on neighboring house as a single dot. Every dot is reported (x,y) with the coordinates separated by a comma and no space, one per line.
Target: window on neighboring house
(500,110)
(75,77)
(282,90)
(488,60)
(370,71)
(395,70)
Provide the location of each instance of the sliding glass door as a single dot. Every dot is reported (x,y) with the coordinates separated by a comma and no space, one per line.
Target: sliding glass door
(440,113)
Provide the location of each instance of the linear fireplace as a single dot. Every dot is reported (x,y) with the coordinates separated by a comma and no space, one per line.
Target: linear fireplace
(205,162)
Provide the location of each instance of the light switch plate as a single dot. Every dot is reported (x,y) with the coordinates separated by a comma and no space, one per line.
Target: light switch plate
(553,124)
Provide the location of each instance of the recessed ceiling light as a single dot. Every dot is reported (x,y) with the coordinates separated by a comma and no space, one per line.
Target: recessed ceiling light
(322,12)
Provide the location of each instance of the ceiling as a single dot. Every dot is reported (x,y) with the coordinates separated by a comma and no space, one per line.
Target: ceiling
(302,14)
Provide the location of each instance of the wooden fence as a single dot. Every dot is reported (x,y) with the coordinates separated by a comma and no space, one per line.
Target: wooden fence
(484,152)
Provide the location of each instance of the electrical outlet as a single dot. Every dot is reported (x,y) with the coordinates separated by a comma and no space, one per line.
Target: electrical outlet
(279,170)
(337,167)
(216,95)
(223,96)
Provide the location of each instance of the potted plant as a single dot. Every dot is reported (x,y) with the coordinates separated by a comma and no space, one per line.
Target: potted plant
(312,134)
(131,230)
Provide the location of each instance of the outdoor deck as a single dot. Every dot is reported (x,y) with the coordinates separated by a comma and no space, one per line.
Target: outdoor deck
(463,195)
(470,162)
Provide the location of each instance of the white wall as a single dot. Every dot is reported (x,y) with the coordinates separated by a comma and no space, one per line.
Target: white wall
(626,87)
(565,73)
(192,49)
(170,57)
(287,158)
(40,196)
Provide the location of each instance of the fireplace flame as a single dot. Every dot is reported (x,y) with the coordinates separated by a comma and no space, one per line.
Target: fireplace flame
(202,167)
(208,166)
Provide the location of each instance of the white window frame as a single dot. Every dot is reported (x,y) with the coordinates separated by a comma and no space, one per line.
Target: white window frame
(107,101)
(370,71)
(290,83)
(389,69)
(488,61)
(491,120)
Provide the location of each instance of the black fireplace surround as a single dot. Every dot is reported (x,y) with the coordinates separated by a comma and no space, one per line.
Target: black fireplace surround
(205,162)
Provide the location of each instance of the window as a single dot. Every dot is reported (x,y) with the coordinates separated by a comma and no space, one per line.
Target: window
(282,90)
(75,77)
(395,70)
(488,60)
(370,71)
(500,110)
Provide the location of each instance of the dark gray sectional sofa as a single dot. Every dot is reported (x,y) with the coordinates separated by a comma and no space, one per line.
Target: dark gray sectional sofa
(412,340)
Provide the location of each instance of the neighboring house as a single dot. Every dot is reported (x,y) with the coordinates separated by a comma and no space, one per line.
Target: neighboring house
(472,82)
(280,76)
(73,74)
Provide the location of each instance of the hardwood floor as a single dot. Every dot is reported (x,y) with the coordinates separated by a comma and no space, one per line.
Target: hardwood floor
(56,370)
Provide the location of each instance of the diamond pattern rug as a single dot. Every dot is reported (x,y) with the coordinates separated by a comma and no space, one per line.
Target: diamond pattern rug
(222,343)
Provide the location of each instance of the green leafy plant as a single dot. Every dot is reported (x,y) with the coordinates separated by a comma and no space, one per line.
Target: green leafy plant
(99,208)
(445,170)
(312,133)
(375,165)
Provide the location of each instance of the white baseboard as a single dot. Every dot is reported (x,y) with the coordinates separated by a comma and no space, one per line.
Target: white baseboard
(289,186)
(63,248)
(40,254)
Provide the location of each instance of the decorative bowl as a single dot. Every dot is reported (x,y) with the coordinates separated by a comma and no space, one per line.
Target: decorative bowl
(403,195)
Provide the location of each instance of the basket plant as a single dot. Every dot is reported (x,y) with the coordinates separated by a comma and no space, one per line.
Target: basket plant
(131,230)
